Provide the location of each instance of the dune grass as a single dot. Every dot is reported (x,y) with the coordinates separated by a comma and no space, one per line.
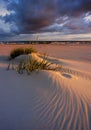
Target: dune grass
(20,51)
(33,65)
(29,65)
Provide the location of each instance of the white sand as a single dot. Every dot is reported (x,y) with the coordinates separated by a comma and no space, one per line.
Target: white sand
(46,100)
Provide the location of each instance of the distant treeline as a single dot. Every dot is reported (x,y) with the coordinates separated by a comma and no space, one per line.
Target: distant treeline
(45,42)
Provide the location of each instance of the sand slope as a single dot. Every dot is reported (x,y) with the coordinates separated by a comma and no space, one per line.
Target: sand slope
(46,100)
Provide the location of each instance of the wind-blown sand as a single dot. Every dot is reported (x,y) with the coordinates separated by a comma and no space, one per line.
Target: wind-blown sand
(47,100)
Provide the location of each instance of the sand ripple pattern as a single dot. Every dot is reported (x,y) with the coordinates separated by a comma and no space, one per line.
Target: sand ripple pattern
(66,106)
(78,73)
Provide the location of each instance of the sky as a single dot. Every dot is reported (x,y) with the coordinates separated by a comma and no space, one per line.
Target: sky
(57,20)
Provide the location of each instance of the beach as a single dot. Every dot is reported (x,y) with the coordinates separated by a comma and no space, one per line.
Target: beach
(47,100)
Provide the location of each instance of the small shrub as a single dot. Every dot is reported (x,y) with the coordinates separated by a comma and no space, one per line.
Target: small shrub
(20,51)
(16,52)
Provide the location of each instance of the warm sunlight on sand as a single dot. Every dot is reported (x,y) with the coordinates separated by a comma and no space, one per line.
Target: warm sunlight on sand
(47,100)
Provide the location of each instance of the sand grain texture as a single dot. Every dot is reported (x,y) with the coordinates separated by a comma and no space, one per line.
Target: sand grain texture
(46,100)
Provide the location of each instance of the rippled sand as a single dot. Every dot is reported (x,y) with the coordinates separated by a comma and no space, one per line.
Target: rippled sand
(46,100)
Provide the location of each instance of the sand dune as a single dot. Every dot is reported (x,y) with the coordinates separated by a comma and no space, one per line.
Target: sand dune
(46,100)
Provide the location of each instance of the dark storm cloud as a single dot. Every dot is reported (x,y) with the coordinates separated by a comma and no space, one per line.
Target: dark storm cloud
(32,16)
(73,7)
(4,35)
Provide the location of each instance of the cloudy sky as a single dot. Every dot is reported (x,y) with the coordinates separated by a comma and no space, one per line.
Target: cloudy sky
(45,20)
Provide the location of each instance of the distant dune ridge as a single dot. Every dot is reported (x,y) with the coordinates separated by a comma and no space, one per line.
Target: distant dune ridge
(47,100)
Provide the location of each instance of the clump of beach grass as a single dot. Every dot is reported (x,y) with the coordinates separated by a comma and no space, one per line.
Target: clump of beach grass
(33,65)
(21,51)
(29,50)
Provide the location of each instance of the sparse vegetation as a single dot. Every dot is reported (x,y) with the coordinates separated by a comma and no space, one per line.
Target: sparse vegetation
(30,64)
(20,51)
(29,50)
(33,65)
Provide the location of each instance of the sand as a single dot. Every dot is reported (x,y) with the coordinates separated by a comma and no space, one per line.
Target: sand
(47,100)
